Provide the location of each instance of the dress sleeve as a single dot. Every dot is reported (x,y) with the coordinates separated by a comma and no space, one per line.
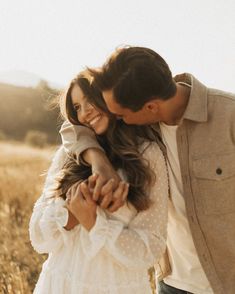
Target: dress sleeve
(49,214)
(77,139)
(142,242)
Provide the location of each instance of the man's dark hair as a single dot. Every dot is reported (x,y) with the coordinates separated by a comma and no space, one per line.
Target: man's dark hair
(136,75)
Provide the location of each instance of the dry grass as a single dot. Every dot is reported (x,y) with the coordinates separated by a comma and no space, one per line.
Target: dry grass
(20,186)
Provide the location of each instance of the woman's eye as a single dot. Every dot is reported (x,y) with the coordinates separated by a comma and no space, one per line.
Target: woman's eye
(77,107)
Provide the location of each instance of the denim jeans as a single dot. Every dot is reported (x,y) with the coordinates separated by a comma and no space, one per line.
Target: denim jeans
(166,289)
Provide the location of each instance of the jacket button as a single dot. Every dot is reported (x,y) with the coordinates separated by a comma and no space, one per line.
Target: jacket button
(219,171)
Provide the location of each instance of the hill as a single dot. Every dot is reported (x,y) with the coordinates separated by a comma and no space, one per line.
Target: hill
(24,108)
(23,78)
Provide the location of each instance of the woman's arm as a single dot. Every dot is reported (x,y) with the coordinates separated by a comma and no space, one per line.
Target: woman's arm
(50,218)
(142,242)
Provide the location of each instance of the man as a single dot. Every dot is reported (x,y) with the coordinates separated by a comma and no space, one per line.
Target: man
(197,129)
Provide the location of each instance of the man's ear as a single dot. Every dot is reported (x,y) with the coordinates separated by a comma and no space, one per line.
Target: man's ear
(152,106)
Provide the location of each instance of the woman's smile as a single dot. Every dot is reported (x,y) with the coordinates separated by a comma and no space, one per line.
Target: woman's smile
(95,120)
(87,114)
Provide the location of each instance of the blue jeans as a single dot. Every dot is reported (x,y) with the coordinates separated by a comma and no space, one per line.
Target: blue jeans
(166,289)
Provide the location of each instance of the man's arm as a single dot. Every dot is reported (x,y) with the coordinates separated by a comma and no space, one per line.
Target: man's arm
(102,167)
(82,142)
(77,139)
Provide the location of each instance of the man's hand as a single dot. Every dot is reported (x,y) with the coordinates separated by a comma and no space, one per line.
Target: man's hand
(102,167)
(104,181)
(119,196)
(110,198)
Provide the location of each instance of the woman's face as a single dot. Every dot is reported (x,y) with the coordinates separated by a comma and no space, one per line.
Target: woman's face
(87,114)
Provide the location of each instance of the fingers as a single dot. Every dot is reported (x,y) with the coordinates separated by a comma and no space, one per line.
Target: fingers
(92,182)
(101,188)
(72,190)
(110,200)
(86,193)
(105,197)
(118,193)
(97,188)
(115,205)
(108,187)
(74,196)
(106,201)
(119,196)
(125,192)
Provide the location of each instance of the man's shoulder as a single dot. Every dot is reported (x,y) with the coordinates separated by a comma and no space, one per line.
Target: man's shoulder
(221,102)
(221,96)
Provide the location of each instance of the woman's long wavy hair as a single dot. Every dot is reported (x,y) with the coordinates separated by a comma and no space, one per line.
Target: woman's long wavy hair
(121,142)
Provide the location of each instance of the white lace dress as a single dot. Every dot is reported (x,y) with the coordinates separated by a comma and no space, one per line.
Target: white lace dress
(115,255)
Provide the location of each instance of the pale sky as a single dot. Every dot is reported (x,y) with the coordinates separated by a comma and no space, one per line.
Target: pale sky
(55,39)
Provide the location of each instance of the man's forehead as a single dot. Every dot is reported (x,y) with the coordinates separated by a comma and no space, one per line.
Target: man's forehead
(110,101)
(115,109)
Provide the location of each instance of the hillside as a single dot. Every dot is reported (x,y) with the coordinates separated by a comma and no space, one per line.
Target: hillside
(23,109)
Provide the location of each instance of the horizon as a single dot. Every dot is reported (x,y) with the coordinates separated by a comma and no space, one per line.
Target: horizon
(23,78)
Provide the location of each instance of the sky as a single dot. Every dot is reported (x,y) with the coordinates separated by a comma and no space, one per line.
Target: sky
(55,39)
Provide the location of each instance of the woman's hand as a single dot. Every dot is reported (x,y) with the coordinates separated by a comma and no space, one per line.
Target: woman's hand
(81,205)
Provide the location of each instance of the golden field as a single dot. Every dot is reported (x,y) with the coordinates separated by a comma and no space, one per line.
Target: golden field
(21,181)
(22,174)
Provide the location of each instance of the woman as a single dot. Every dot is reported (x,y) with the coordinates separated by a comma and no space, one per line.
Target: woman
(90,249)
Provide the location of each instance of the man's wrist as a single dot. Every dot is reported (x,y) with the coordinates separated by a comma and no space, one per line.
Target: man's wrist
(94,156)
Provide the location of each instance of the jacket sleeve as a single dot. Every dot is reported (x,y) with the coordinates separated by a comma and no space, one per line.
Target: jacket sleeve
(77,139)
(142,242)
(49,214)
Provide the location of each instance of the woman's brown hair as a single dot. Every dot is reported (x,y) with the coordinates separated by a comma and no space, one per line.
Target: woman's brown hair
(122,144)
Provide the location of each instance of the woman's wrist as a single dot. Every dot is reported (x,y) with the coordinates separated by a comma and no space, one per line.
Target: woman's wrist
(72,221)
(89,224)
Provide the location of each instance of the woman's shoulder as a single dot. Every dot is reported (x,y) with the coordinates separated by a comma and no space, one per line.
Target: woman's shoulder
(152,152)
(148,148)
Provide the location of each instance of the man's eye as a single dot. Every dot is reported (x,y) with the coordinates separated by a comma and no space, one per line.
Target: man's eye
(118,117)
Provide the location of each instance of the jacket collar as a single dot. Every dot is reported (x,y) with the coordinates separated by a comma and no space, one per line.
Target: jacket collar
(196,109)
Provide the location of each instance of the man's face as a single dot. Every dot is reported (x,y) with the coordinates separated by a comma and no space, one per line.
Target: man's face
(141,117)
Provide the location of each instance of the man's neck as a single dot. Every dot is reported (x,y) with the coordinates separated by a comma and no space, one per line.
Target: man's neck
(176,106)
